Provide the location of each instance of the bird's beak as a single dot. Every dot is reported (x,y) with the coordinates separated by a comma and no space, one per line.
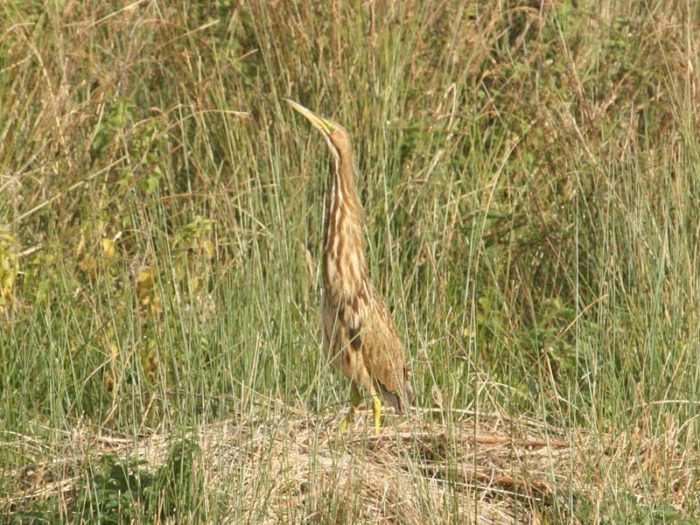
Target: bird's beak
(324,126)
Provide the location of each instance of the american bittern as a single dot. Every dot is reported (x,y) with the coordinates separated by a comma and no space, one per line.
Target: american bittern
(359,336)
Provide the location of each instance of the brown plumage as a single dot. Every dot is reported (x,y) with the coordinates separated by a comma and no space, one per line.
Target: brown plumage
(359,335)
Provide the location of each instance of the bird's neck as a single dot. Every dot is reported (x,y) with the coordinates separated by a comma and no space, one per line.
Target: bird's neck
(344,261)
(344,196)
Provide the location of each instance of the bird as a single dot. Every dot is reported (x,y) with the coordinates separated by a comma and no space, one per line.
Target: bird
(359,335)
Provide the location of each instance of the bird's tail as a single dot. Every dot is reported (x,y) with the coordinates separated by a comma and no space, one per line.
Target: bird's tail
(400,401)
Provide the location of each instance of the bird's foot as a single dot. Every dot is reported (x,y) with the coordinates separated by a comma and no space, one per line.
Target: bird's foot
(347,420)
(356,401)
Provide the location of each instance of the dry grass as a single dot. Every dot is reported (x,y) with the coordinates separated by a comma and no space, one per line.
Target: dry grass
(292,466)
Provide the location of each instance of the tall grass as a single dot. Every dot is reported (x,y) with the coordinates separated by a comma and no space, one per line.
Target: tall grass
(529,172)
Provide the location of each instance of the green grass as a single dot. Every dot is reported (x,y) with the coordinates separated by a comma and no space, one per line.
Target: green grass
(531,182)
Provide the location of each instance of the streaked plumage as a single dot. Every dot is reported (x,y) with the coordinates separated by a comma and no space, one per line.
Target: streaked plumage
(359,335)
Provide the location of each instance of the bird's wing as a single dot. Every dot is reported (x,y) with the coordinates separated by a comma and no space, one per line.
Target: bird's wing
(384,357)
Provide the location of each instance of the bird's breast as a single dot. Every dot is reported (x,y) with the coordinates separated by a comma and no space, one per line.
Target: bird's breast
(344,277)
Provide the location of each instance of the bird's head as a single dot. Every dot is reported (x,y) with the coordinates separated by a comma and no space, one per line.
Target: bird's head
(336,136)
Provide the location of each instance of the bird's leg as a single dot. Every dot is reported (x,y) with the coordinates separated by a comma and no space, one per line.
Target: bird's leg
(377,410)
(356,397)
(356,400)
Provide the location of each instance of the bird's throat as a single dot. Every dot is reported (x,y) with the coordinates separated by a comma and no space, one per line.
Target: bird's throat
(344,261)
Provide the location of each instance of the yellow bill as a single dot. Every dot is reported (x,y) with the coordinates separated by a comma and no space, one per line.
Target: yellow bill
(323,125)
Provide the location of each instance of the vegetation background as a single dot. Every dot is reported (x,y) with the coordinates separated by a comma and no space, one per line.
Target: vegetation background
(530,172)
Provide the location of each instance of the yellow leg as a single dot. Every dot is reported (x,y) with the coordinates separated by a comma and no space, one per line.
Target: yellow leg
(377,409)
(356,400)
(356,396)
